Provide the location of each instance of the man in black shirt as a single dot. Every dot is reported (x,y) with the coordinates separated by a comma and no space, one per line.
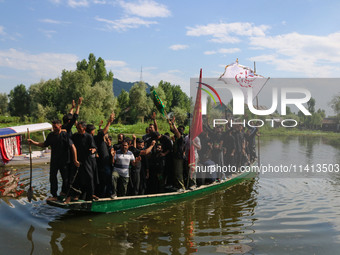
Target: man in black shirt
(229,145)
(120,138)
(60,157)
(70,118)
(103,160)
(140,171)
(86,149)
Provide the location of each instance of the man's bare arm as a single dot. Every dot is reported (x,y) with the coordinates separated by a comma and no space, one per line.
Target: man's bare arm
(154,121)
(110,120)
(80,100)
(30,141)
(72,107)
(148,150)
(74,152)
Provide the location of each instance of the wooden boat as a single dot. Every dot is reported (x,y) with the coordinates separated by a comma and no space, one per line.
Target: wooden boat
(107,205)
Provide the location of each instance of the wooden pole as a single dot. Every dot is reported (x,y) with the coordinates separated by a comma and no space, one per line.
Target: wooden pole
(30,189)
(258,137)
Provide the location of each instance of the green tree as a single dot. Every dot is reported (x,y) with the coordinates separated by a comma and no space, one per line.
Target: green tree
(174,96)
(181,115)
(311,105)
(47,94)
(100,70)
(19,101)
(167,89)
(3,103)
(95,69)
(74,84)
(138,101)
(98,102)
(335,104)
(123,100)
(288,110)
(91,66)
(41,108)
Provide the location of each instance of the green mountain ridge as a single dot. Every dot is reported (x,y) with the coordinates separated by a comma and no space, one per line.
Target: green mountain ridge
(118,85)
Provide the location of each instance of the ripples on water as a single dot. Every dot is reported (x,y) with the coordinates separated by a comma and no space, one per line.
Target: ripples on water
(269,215)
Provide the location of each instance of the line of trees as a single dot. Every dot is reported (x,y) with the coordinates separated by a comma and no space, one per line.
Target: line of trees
(51,99)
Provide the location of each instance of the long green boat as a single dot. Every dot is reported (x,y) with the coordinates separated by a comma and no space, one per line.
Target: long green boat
(107,205)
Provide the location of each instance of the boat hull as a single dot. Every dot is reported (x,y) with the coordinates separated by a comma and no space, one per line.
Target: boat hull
(107,205)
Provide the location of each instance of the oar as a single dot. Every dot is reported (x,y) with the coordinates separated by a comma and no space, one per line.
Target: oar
(30,189)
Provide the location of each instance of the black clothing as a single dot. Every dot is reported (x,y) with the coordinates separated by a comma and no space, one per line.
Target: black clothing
(166,143)
(104,164)
(102,150)
(179,148)
(156,181)
(60,159)
(138,173)
(117,146)
(229,144)
(68,126)
(60,148)
(87,174)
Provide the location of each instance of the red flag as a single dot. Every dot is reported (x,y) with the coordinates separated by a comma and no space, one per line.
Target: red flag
(196,125)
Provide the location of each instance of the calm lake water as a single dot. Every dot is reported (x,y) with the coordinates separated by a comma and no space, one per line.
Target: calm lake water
(295,213)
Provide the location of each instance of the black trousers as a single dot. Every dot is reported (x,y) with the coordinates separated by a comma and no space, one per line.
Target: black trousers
(64,171)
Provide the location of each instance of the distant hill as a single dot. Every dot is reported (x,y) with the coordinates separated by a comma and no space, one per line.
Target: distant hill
(118,85)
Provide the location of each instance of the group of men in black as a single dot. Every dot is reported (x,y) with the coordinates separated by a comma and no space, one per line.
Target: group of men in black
(223,145)
(91,167)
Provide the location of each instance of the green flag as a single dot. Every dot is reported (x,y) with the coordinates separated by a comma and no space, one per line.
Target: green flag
(158,102)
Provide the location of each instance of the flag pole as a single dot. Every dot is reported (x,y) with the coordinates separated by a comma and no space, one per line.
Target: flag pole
(258,137)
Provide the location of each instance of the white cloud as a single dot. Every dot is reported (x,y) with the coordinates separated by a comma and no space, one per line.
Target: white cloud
(309,54)
(210,52)
(229,51)
(223,51)
(52,21)
(99,2)
(5,36)
(81,3)
(2,30)
(48,33)
(178,47)
(145,8)
(125,23)
(227,32)
(43,65)
(78,3)
(112,64)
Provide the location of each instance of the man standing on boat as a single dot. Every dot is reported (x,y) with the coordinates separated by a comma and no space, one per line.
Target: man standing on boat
(86,149)
(120,176)
(70,119)
(103,160)
(178,156)
(61,144)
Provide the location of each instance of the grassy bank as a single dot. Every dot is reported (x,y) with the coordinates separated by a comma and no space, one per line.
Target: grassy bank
(331,137)
(163,127)
(281,131)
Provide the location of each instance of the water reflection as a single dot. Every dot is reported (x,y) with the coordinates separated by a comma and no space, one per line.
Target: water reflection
(223,218)
(9,184)
(269,215)
(29,237)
